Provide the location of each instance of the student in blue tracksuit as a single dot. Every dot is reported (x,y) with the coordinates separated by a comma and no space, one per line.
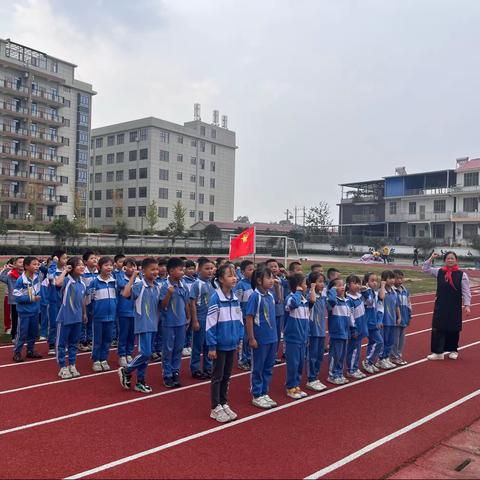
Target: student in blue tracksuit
(126,313)
(157,336)
(339,324)
(90,260)
(174,296)
(224,331)
(262,336)
(27,296)
(359,330)
(374,315)
(189,279)
(118,264)
(391,318)
(70,316)
(317,330)
(405,305)
(296,332)
(9,275)
(59,261)
(243,290)
(200,294)
(146,295)
(103,296)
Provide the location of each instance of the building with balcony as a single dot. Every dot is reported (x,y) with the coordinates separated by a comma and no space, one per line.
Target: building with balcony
(45,123)
(151,160)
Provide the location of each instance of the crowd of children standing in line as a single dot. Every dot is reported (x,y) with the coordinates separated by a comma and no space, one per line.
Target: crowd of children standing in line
(215,312)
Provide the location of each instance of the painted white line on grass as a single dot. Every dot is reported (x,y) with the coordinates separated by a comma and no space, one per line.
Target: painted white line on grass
(240,421)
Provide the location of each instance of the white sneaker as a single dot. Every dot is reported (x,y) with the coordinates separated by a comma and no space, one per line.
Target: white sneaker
(435,356)
(375,368)
(392,365)
(97,366)
(358,375)
(453,355)
(8,331)
(384,364)
(292,393)
(219,414)
(122,362)
(40,339)
(231,414)
(189,351)
(316,385)
(272,402)
(74,371)
(185,352)
(52,352)
(344,380)
(64,373)
(105,366)
(261,402)
(368,368)
(302,393)
(336,380)
(129,358)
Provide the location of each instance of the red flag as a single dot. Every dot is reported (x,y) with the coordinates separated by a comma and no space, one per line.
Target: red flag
(243,244)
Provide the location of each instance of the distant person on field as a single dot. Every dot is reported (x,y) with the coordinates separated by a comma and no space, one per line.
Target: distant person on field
(415,257)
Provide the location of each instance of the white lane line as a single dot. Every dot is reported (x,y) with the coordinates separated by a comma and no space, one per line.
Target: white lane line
(388,438)
(240,421)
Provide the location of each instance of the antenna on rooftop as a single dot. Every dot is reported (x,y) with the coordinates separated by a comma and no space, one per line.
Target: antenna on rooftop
(225,122)
(400,171)
(216,118)
(196,111)
(461,161)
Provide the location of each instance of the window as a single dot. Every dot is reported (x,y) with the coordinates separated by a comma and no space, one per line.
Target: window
(193,178)
(212,183)
(470,180)
(132,192)
(82,137)
(211,216)
(98,159)
(212,166)
(193,142)
(120,157)
(179,194)
(110,176)
(143,172)
(164,156)
(91,178)
(133,136)
(131,211)
(192,195)
(202,145)
(201,198)
(143,134)
(109,212)
(193,160)
(438,230)
(214,133)
(84,100)
(179,139)
(109,194)
(132,155)
(393,208)
(439,206)
(470,231)
(202,130)
(119,193)
(470,204)
(98,178)
(201,181)
(119,176)
(164,136)
(179,176)
(412,230)
(213,149)
(179,157)
(98,194)
(132,174)
(192,214)
(99,142)
(163,212)
(83,119)
(202,164)
(97,212)
(163,193)
(142,211)
(120,139)
(82,157)
(412,208)
(54,67)
(110,140)
(110,158)
(142,192)
(200,215)
(63,179)
(163,174)
(143,153)
(212,199)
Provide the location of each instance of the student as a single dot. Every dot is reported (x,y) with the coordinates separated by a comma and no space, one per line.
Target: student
(200,294)
(44,302)
(296,334)
(243,290)
(118,263)
(157,336)
(317,330)
(174,296)
(391,318)
(374,316)
(339,323)
(59,261)
(295,268)
(262,335)
(405,317)
(27,297)
(332,274)
(359,330)
(70,316)
(103,295)
(9,275)
(189,278)
(224,331)
(126,313)
(146,295)
(90,260)
(314,268)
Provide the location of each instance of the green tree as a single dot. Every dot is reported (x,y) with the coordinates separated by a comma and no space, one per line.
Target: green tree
(176,228)
(121,229)
(152,217)
(318,219)
(425,245)
(210,234)
(62,229)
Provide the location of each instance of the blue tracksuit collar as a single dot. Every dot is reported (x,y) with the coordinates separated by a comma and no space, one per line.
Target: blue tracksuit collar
(355,297)
(266,294)
(223,298)
(108,280)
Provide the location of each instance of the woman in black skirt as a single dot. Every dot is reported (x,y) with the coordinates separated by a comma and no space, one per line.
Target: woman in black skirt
(453,286)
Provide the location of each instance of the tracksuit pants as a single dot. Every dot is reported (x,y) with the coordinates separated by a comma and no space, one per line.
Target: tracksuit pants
(199,346)
(398,342)
(444,341)
(140,362)
(354,347)
(44,320)
(157,339)
(245,355)
(102,339)
(337,353)
(14,317)
(7,322)
(279,322)
(188,336)
(375,345)
(67,336)
(87,329)
(222,369)
(126,337)
(27,332)
(53,309)
(388,339)
(295,357)
(263,360)
(316,350)
(173,341)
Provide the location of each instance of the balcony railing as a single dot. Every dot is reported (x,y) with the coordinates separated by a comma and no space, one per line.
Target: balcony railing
(46,136)
(9,85)
(364,218)
(44,177)
(13,152)
(49,97)
(13,129)
(8,194)
(11,172)
(42,115)
(14,108)
(469,215)
(26,217)
(427,191)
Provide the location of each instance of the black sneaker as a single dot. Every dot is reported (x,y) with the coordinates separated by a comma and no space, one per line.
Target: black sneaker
(125,378)
(17,357)
(33,354)
(168,382)
(155,357)
(244,366)
(207,374)
(198,375)
(278,361)
(176,380)
(51,350)
(143,387)
(114,343)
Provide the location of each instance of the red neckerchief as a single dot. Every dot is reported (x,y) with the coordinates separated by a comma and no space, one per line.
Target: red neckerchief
(448,274)
(14,273)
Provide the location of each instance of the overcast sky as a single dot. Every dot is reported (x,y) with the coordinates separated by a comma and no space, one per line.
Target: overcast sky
(319,92)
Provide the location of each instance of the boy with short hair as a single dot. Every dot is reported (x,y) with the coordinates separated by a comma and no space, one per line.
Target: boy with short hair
(118,262)
(157,337)
(189,279)
(90,260)
(405,305)
(9,275)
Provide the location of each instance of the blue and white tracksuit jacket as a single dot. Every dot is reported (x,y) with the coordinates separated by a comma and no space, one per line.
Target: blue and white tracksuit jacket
(357,333)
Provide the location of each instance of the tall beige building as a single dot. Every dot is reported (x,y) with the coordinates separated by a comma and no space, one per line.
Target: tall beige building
(45,123)
(138,162)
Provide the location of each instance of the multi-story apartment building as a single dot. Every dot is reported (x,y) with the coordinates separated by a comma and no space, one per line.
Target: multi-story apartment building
(45,119)
(150,160)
